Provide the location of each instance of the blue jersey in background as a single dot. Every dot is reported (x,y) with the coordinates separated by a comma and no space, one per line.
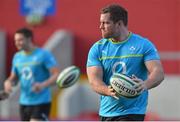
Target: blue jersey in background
(30,68)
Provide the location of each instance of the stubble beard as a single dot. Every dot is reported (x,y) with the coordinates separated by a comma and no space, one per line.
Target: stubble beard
(106,35)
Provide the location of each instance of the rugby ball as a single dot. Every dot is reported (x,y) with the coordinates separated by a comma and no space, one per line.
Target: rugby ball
(123,85)
(68,76)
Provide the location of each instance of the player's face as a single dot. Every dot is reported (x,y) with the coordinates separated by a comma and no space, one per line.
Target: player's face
(21,42)
(107,26)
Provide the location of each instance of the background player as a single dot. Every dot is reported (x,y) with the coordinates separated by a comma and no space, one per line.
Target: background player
(36,69)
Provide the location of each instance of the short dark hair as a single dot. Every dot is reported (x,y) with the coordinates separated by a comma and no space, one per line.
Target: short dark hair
(26,32)
(116,13)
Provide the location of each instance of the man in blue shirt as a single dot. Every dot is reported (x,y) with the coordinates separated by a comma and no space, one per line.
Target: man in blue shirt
(122,51)
(36,69)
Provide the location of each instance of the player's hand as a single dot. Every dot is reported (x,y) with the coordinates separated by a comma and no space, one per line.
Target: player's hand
(141,86)
(37,87)
(112,92)
(7,87)
(3,95)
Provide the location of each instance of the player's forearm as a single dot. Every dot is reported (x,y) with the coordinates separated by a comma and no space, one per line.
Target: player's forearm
(51,80)
(155,78)
(8,81)
(8,86)
(95,78)
(11,78)
(99,87)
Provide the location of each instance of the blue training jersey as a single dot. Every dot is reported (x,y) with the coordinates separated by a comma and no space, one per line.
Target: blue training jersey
(31,68)
(126,57)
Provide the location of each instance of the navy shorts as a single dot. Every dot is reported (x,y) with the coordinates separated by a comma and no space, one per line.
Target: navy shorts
(40,112)
(129,117)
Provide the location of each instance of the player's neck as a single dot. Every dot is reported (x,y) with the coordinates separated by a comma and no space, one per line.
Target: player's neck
(122,37)
(30,49)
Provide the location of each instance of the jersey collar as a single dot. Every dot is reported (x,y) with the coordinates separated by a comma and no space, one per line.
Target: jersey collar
(121,42)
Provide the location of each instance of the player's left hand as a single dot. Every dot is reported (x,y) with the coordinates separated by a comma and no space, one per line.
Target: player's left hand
(37,87)
(141,86)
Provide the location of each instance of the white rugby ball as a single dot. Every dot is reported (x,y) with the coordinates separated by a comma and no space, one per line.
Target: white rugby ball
(68,77)
(123,85)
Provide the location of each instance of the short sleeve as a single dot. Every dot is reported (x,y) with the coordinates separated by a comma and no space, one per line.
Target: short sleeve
(49,60)
(94,57)
(14,68)
(151,52)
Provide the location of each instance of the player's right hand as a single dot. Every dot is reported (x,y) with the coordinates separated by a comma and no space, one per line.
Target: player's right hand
(3,95)
(112,92)
(7,87)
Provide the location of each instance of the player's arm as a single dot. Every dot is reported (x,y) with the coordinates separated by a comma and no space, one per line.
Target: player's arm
(8,82)
(51,80)
(155,76)
(156,73)
(95,77)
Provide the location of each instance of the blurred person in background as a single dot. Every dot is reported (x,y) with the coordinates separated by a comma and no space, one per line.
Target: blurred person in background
(124,52)
(36,69)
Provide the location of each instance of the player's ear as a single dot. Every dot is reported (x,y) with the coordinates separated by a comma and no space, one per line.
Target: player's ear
(29,39)
(119,23)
